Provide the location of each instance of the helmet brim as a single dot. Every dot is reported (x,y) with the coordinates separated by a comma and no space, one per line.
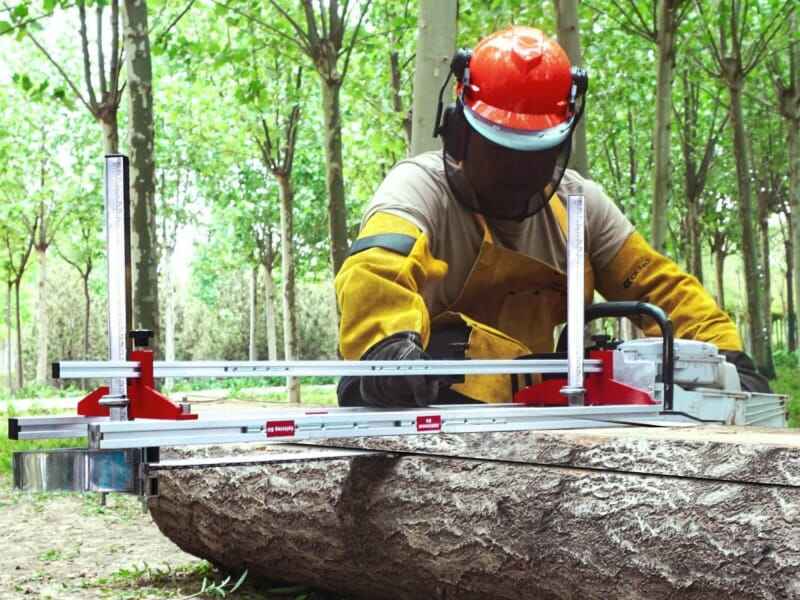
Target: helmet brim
(518,139)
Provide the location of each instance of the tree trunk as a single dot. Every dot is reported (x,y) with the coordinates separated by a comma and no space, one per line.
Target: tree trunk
(9,337)
(762,197)
(252,353)
(789,103)
(42,322)
(569,38)
(169,317)
(791,311)
(759,339)
(269,315)
(287,266)
(87,314)
(337,208)
(719,268)
(397,98)
(695,239)
(87,319)
(436,44)
(794,194)
(632,513)
(20,374)
(144,251)
(110,132)
(665,43)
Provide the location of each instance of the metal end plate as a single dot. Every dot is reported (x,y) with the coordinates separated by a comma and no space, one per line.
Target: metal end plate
(77,470)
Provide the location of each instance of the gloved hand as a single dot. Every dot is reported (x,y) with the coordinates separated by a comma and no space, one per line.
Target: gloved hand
(399,390)
(751,379)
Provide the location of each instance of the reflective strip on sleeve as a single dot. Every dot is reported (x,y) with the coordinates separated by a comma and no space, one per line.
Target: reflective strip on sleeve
(396,242)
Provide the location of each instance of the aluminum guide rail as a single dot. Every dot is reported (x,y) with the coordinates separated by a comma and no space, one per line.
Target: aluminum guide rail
(279,425)
(288,426)
(130,370)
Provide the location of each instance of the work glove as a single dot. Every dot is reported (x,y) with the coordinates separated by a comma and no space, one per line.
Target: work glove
(751,380)
(399,390)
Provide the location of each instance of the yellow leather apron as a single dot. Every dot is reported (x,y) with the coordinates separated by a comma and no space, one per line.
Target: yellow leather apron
(511,304)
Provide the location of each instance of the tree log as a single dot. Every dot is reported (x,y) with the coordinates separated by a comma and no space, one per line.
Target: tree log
(625,513)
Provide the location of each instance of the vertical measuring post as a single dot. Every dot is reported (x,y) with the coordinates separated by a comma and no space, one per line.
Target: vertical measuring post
(118,257)
(574,390)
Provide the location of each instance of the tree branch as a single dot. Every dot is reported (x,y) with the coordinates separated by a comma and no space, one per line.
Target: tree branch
(652,29)
(63,73)
(87,64)
(305,36)
(301,43)
(760,45)
(311,22)
(321,9)
(353,39)
(626,24)
(174,21)
(712,44)
(101,63)
(116,52)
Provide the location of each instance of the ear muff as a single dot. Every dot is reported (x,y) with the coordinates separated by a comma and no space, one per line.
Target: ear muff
(580,84)
(450,121)
(454,131)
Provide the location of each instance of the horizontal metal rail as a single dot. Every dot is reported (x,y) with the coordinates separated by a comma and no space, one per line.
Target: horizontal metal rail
(49,428)
(303,368)
(288,426)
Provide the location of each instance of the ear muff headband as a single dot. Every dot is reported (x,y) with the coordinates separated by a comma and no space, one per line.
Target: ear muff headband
(459,66)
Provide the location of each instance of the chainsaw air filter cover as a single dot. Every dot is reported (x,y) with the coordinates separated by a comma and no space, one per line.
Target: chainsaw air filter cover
(697,364)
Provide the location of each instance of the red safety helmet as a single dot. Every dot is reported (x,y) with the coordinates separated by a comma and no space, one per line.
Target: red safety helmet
(516,90)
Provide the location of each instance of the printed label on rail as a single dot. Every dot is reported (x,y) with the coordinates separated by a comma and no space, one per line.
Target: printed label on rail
(429,423)
(280,429)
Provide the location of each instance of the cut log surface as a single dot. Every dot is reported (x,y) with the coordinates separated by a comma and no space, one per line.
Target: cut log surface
(625,513)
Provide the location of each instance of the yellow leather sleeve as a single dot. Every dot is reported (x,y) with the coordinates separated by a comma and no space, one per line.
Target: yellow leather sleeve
(638,272)
(379,291)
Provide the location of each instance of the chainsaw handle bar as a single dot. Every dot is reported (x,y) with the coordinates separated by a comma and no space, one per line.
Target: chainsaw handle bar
(628,309)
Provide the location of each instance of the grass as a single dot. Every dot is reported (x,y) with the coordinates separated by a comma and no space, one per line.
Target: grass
(310,395)
(199,580)
(35,390)
(8,447)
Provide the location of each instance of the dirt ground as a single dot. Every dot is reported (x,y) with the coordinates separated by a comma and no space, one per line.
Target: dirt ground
(67,547)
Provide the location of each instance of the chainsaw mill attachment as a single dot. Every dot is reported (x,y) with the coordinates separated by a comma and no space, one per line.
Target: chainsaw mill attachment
(128,421)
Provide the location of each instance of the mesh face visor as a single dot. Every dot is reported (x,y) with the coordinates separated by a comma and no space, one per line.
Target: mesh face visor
(504,183)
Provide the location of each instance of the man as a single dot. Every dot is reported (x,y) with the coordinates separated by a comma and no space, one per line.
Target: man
(462,254)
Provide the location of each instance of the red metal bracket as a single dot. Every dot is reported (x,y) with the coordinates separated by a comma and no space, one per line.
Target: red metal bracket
(601,388)
(144,401)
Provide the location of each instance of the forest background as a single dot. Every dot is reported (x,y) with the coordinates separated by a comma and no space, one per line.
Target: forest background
(257,131)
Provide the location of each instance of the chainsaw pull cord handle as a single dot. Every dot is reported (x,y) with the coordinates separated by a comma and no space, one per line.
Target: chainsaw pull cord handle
(631,308)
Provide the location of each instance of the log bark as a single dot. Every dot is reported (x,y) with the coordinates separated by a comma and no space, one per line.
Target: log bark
(628,513)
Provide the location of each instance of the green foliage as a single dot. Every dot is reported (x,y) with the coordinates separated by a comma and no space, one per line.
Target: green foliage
(221,67)
(8,447)
(787,367)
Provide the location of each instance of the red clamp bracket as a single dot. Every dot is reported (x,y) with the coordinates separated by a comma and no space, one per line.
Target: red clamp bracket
(601,388)
(144,400)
